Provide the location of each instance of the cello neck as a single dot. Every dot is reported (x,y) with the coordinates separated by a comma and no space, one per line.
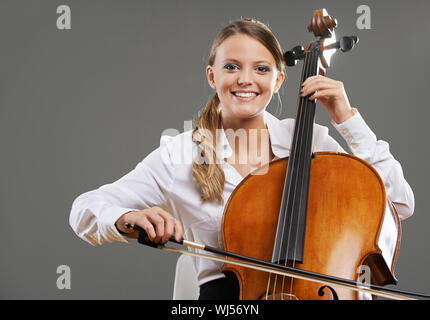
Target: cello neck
(289,239)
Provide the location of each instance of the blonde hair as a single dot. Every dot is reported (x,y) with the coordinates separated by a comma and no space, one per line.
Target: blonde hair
(209,174)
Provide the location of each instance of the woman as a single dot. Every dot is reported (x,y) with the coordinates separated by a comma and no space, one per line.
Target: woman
(167,195)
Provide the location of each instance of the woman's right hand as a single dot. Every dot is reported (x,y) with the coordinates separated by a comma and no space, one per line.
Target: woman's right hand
(159,224)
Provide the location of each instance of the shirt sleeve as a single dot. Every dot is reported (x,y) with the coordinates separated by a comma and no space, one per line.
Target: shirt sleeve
(94,213)
(363,143)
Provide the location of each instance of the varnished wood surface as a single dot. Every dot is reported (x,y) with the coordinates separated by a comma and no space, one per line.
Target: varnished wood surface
(345,211)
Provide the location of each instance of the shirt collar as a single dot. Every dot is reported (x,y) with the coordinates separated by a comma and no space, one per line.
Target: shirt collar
(279,133)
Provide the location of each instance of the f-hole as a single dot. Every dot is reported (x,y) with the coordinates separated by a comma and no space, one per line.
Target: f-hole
(333,293)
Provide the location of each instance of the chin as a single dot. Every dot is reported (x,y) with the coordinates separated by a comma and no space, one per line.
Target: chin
(243,110)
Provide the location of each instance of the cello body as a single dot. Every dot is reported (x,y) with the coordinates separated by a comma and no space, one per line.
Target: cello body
(349,225)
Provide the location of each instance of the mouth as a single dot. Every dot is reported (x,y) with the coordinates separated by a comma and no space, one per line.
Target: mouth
(245,95)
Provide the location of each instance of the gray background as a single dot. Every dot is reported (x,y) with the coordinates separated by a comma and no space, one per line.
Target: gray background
(80,108)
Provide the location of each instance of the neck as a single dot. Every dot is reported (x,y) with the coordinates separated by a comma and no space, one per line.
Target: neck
(249,139)
(257,122)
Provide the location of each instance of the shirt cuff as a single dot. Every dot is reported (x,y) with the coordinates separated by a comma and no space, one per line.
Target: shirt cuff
(107,221)
(355,131)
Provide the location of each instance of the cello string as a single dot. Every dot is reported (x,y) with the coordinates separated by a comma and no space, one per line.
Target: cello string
(294,159)
(310,106)
(296,205)
(297,156)
(287,188)
(292,175)
(268,286)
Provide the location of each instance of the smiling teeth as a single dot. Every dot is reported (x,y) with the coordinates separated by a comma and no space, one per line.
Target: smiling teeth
(245,94)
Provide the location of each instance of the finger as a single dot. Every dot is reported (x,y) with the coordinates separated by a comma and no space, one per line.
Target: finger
(309,79)
(170,225)
(168,229)
(328,93)
(317,77)
(145,224)
(158,222)
(179,231)
(318,85)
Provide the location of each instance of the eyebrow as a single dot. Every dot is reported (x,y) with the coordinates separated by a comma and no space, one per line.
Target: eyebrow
(237,61)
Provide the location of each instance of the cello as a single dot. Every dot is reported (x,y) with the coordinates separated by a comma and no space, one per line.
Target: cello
(323,212)
(312,222)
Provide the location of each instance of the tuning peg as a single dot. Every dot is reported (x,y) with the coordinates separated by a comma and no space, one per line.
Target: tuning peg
(293,55)
(345,44)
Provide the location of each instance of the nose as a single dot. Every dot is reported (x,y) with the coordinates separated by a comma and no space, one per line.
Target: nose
(245,77)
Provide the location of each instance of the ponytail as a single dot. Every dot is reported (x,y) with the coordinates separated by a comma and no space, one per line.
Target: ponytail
(208,174)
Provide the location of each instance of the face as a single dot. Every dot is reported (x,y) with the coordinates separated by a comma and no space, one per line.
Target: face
(245,77)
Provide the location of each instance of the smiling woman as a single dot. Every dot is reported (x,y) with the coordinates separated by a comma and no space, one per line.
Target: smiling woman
(165,198)
(246,67)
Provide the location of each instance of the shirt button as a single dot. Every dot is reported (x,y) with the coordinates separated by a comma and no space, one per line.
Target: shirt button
(349,139)
(344,131)
(354,145)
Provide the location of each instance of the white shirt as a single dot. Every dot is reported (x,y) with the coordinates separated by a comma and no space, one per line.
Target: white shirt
(164,179)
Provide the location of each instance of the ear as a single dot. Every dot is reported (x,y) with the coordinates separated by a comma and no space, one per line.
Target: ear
(279,80)
(210,76)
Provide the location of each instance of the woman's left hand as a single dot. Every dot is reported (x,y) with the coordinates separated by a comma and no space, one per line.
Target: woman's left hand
(331,94)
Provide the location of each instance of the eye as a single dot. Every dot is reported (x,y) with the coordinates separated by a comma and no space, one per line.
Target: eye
(263,69)
(231,67)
